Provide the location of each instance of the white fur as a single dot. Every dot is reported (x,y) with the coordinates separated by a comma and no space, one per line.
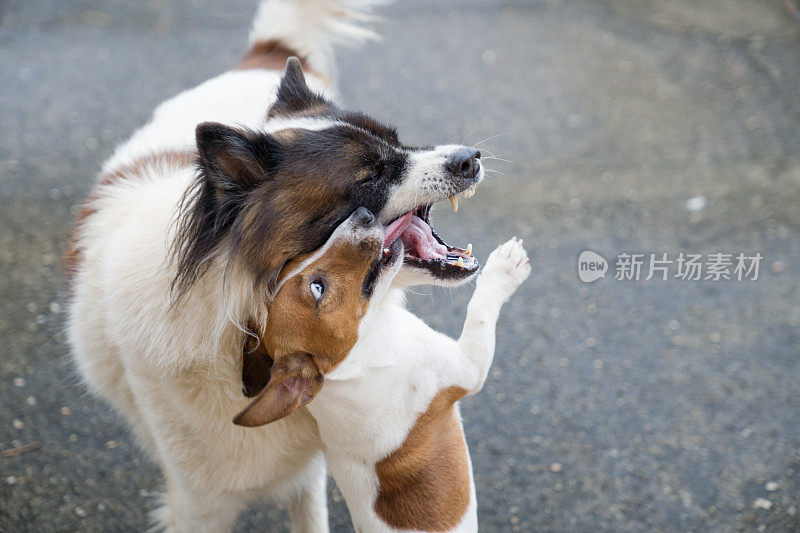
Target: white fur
(175,373)
(237,98)
(313,27)
(424,181)
(370,402)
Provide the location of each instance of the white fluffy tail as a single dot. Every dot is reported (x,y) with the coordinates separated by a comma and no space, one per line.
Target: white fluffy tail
(313,27)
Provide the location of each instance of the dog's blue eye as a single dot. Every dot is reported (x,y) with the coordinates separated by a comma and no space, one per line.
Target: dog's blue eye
(317,289)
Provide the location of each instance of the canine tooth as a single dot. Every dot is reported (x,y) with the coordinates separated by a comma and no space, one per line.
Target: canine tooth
(469,249)
(454,201)
(460,262)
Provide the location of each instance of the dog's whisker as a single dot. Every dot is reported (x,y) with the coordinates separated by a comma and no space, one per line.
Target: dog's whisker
(470,131)
(487,139)
(419,293)
(491,158)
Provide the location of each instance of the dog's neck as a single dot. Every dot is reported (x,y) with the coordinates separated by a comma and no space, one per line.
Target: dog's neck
(376,325)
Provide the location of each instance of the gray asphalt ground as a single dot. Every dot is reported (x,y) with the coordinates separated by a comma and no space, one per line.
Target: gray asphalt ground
(612,406)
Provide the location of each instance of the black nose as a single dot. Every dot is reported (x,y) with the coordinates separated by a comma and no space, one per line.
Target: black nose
(363,217)
(463,162)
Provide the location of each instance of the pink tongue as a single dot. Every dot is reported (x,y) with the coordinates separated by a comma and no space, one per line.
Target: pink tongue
(396,228)
(418,237)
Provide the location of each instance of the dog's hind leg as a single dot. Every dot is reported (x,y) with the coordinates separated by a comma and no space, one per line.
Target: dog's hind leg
(308,507)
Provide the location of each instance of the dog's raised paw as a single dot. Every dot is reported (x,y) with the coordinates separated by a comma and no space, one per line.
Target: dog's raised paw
(507,267)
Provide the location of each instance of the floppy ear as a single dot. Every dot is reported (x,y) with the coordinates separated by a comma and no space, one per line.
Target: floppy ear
(294,382)
(294,96)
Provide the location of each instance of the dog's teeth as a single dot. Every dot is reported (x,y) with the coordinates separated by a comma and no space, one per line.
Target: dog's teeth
(460,262)
(464,195)
(454,201)
(469,249)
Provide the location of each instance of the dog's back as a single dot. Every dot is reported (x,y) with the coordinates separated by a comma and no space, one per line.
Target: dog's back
(173,368)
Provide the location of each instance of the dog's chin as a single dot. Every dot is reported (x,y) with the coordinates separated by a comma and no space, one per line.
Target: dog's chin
(391,262)
(410,275)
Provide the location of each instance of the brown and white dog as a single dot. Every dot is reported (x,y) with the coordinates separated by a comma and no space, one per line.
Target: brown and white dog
(180,246)
(387,411)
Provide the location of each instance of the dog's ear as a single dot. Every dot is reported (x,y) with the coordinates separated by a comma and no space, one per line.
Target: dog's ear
(294,96)
(232,163)
(233,160)
(294,381)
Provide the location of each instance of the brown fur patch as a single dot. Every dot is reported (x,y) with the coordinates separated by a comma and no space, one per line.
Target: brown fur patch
(272,54)
(424,484)
(73,253)
(308,337)
(327,329)
(138,168)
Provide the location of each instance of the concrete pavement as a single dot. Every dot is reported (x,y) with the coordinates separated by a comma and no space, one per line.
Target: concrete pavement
(613,406)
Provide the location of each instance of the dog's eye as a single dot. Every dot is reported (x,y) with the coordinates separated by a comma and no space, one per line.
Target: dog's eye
(317,289)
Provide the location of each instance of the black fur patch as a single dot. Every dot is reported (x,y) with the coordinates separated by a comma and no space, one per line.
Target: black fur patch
(266,199)
(256,367)
(263,199)
(294,97)
(231,164)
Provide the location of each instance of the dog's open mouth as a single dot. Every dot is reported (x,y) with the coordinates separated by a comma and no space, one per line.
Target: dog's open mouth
(425,249)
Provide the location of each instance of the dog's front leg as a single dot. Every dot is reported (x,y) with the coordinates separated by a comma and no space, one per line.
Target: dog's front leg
(507,267)
(197,511)
(308,508)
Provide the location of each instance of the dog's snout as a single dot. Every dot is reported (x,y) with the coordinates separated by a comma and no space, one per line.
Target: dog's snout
(463,162)
(363,217)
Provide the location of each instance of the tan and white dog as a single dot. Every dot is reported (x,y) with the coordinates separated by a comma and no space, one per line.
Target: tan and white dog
(387,411)
(178,251)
